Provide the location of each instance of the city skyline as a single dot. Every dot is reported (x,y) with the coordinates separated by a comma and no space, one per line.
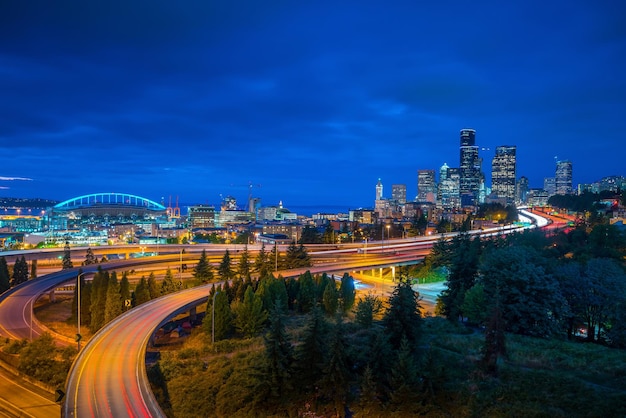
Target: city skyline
(308,103)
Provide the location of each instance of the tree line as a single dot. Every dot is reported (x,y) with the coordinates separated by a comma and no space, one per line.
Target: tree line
(569,285)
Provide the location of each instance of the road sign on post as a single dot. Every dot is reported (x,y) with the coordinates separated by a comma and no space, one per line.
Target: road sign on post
(59,395)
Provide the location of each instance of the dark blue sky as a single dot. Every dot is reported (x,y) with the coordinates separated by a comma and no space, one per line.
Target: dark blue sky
(313,102)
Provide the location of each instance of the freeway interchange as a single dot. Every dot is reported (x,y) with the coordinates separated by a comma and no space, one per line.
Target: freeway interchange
(108,377)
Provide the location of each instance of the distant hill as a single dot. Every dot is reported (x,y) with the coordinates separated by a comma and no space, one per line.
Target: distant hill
(19,202)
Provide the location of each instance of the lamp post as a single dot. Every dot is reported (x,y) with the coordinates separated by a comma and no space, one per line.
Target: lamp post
(276,253)
(388,236)
(213,319)
(78,309)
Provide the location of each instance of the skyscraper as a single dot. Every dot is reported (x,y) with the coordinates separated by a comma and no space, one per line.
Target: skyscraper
(398,193)
(469,168)
(563,177)
(503,167)
(379,190)
(521,190)
(426,186)
(549,185)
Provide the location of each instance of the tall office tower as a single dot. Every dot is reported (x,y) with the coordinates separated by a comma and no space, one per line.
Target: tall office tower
(563,177)
(449,189)
(443,174)
(549,185)
(426,186)
(379,190)
(521,190)
(398,193)
(503,172)
(470,167)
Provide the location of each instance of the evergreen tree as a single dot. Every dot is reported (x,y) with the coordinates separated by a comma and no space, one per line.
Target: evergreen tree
(249,314)
(277,367)
(66,262)
(203,270)
(531,298)
(243,268)
(225,269)
(90,258)
(33,269)
(306,292)
(404,379)
(223,316)
(367,307)
(329,234)
(125,292)
(99,283)
(113,306)
(403,317)
(310,236)
(330,298)
(347,293)
(274,260)
(168,285)
(5,280)
(380,362)
(312,351)
(292,286)
(336,378)
(142,294)
(153,287)
(20,271)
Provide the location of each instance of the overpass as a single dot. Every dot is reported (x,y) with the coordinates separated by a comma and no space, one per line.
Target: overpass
(119,348)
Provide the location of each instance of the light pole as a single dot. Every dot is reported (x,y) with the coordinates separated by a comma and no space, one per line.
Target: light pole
(276,252)
(388,237)
(213,319)
(78,309)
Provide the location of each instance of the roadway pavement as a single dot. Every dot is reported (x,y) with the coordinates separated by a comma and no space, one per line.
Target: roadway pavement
(19,398)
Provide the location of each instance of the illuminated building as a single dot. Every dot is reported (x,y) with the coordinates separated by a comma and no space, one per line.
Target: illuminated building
(469,169)
(398,193)
(503,167)
(563,177)
(426,186)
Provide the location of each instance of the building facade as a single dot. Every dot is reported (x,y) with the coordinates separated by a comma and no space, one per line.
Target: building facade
(503,172)
(563,177)
(426,186)
(469,168)
(398,193)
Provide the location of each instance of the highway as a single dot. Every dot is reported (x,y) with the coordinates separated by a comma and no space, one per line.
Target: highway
(108,378)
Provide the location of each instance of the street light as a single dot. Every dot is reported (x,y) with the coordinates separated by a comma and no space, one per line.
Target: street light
(78,309)
(213,318)
(388,236)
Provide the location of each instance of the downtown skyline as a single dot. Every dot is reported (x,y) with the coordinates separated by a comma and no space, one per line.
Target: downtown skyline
(313,103)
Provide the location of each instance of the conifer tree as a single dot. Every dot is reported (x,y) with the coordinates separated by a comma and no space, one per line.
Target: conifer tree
(261,263)
(243,268)
(100,284)
(66,262)
(225,269)
(125,292)
(249,314)
(203,270)
(312,351)
(222,313)
(330,298)
(153,287)
(403,317)
(20,271)
(347,293)
(142,294)
(336,378)
(33,269)
(168,285)
(277,368)
(306,292)
(90,258)
(404,379)
(5,280)
(113,307)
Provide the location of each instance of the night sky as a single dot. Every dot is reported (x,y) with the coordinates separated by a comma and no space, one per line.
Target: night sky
(311,102)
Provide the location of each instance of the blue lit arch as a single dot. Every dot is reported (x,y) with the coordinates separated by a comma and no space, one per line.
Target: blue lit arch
(109,200)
